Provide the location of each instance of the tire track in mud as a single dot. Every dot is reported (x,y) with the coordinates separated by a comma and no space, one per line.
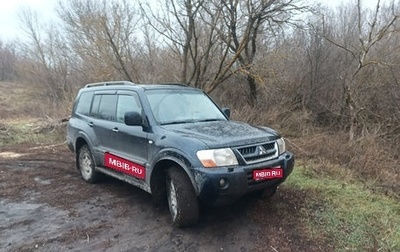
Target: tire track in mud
(47,206)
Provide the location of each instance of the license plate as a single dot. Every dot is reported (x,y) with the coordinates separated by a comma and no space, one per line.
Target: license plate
(266,174)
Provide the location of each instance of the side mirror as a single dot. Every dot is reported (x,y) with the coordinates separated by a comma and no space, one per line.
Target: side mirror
(133,119)
(227,112)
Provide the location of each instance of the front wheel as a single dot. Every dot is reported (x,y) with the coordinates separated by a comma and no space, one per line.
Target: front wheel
(86,165)
(182,201)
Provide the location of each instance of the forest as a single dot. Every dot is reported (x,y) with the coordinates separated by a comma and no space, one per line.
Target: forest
(327,78)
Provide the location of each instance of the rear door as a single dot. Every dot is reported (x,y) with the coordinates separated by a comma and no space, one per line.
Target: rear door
(103,120)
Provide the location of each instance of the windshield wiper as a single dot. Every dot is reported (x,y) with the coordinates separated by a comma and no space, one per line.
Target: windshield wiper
(191,121)
(176,122)
(210,120)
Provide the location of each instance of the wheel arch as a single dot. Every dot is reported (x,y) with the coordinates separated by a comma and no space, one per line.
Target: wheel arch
(158,174)
(80,141)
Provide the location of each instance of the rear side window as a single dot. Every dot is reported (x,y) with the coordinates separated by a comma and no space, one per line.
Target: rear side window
(94,112)
(84,102)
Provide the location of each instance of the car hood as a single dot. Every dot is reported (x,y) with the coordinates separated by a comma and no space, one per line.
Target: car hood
(220,134)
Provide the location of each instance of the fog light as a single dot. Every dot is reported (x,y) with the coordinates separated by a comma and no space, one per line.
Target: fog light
(223,183)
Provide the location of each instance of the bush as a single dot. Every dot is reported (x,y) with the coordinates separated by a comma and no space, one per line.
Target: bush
(370,158)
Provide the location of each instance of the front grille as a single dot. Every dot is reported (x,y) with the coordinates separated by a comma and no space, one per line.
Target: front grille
(269,146)
(259,153)
(247,150)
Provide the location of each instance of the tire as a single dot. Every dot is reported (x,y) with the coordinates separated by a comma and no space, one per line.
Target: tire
(182,200)
(86,165)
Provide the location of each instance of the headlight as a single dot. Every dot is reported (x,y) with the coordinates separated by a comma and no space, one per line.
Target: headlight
(217,157)
(281,146)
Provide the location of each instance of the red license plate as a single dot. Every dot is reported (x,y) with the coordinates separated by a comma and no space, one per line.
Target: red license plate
(125,166)
(265,174)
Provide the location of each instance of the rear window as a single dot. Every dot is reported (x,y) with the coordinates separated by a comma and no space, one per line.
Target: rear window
(84,102)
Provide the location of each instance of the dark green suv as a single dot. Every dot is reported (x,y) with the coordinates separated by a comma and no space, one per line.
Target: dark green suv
(174,142)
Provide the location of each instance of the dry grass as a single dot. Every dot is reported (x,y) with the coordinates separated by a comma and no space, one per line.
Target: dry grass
(24,118)
(371,159)
(33,131)
(25,101)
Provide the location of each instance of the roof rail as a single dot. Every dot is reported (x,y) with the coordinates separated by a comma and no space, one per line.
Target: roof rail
(173,84)
(109,83)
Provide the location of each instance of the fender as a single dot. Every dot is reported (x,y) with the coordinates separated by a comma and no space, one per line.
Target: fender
(84,136)
(179,158)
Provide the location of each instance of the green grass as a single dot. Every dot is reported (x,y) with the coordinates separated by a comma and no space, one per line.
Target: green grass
(25,132)
(346,214)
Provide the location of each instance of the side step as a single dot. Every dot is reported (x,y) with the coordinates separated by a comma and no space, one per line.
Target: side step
(126,178)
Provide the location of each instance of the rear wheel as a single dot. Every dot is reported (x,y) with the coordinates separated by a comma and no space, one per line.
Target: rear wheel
(86,165)
(182,201)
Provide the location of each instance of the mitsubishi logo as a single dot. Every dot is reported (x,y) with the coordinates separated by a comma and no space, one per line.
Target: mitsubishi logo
(261,150)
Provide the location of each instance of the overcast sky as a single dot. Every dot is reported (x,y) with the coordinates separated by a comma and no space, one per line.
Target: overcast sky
(10,25)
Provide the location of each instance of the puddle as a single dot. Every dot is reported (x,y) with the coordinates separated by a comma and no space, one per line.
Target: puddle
(10,155)
(42,181)
(25,222)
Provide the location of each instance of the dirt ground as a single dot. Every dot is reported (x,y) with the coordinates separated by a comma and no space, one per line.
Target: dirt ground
(46,206)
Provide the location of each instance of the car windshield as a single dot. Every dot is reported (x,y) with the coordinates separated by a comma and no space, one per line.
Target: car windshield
(182,106)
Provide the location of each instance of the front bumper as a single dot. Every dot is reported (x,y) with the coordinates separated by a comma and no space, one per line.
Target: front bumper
(239,180)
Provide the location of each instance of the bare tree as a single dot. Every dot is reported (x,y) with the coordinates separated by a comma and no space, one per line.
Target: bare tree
(45,52)
(246,21)
(217,39)
(8,61)
(188,31)
(370,31)
(102,33)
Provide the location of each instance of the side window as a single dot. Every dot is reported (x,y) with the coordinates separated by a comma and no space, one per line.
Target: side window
(108,104)
(95,106)
(84,102)
(127,103)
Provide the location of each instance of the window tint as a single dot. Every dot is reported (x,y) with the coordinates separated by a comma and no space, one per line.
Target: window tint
(84,103)
(107,107)
(95,106)
(127,103)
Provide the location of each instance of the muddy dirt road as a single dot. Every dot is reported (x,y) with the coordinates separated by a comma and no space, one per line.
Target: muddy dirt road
(46,206)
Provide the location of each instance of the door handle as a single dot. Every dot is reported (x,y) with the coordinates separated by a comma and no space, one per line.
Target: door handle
(115,130)
(90,124)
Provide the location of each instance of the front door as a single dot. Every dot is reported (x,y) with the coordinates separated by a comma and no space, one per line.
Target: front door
(128,148)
